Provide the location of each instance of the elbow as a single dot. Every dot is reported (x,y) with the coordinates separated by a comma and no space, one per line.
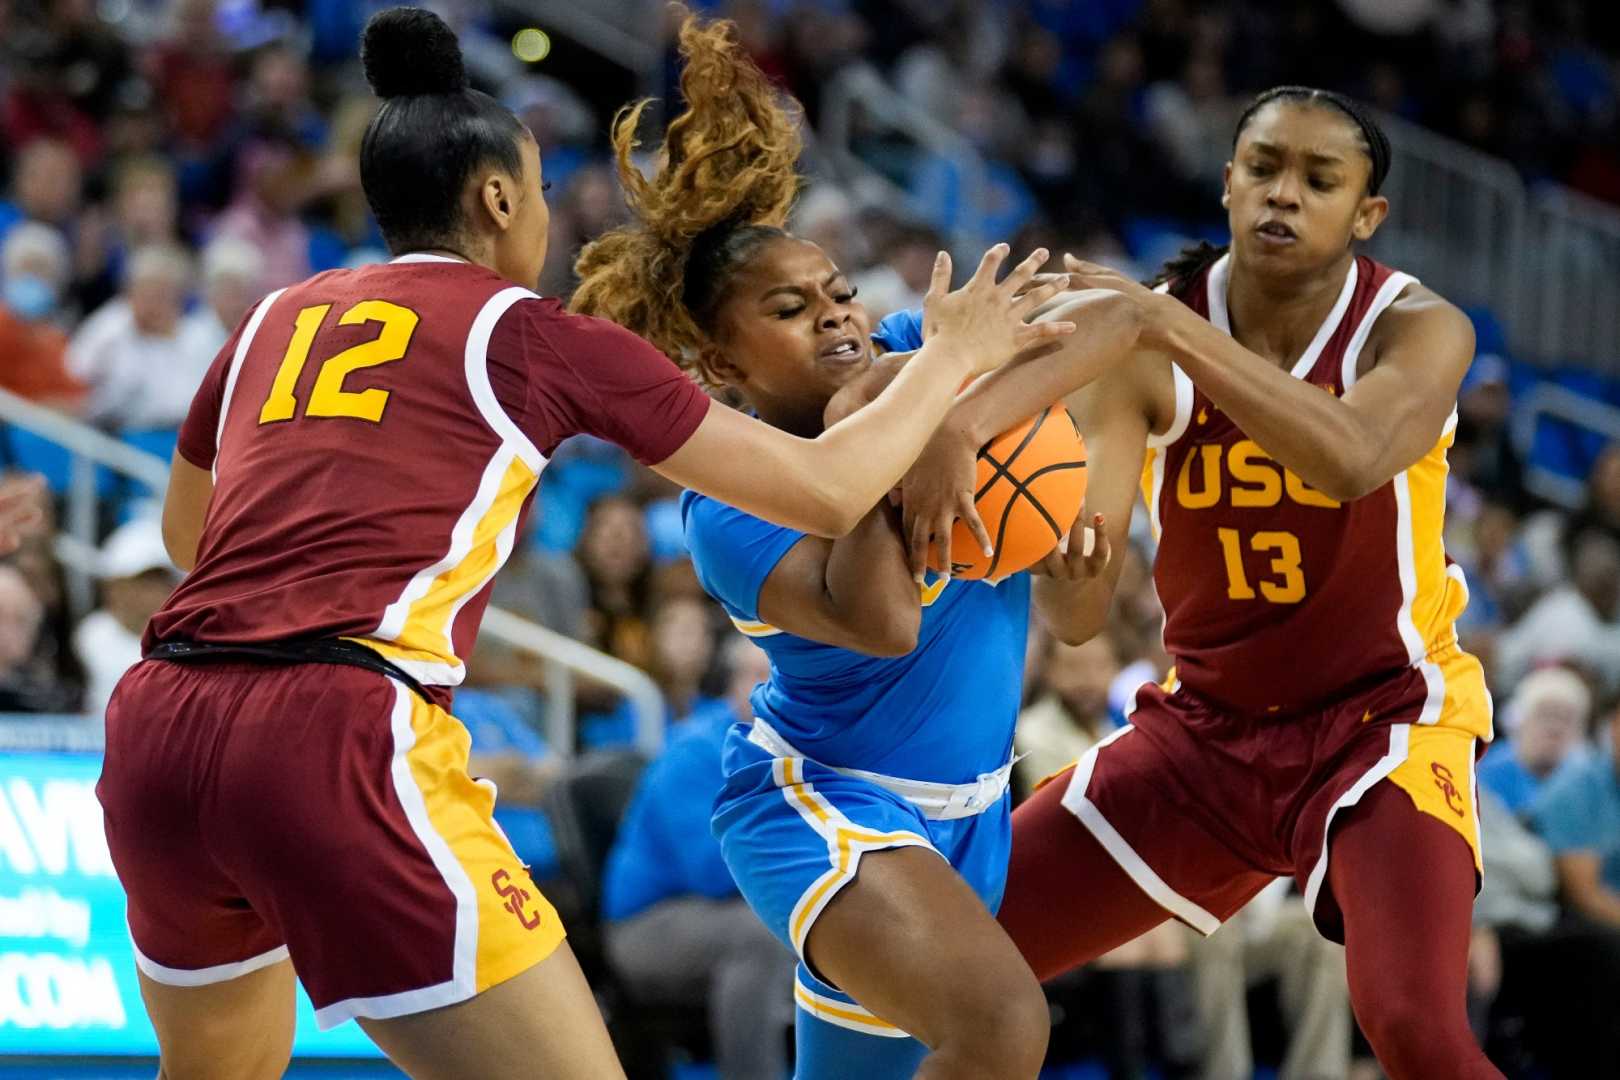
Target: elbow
(182,550)
(895,634)
(1349,482)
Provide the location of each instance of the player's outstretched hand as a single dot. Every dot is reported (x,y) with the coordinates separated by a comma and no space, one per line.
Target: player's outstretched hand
(19,508)
(935,494)
(985,318)
(1081,555)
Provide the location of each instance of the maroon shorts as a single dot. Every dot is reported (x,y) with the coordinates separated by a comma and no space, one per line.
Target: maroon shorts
(1203,808)
(318,812)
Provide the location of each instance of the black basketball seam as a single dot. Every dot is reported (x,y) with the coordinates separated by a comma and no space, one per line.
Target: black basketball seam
(1002,467)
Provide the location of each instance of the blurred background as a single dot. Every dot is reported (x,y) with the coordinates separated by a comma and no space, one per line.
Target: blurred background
(167,162)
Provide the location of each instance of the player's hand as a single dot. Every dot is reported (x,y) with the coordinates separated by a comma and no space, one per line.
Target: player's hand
(1081,555)
(1088,275)
(985,319)
(19,508)
(938,492)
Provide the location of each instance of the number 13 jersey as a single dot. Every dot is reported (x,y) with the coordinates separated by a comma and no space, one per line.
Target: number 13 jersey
(1277,598)
(375,438)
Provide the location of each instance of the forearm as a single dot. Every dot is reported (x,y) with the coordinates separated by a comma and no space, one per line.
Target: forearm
(855,463)
(1311,433)
(1109,326)
(1599,903)
(1074,612)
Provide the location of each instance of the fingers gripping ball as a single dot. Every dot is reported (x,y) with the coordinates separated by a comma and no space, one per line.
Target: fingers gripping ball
(1032,480)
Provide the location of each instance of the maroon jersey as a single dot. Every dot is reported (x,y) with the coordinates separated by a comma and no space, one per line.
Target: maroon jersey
(375,437)
(1276,597)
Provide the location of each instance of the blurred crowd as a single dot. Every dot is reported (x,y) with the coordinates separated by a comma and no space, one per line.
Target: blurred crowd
(168,162)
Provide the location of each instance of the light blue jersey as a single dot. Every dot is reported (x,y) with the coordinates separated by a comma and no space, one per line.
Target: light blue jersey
(831,774)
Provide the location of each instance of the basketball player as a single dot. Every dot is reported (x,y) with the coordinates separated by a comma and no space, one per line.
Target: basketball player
(864,813)
(1288,424)
(283,784)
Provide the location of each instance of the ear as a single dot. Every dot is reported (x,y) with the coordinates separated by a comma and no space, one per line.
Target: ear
(1226,186)
(717,368)
(1369,215)
(498,196)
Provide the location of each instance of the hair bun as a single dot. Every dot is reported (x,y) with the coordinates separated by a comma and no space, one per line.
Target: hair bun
(409,51)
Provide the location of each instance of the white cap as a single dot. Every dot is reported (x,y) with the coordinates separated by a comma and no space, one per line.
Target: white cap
(1546,686)
(134,548)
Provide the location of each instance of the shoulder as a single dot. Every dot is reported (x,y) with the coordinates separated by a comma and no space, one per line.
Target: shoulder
(900,331)
(548,320)
(1421,314)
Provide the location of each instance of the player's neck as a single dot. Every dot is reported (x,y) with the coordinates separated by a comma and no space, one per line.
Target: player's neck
(794,421)
(1277,317)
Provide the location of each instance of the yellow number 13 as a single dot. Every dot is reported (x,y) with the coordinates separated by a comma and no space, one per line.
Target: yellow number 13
(328,398)
(1285,563)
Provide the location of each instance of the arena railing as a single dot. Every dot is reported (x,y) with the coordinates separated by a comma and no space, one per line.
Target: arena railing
(76,548)
(1549,401)
(1570,268)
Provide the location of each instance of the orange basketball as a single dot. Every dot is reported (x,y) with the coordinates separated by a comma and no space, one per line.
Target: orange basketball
(1032,480)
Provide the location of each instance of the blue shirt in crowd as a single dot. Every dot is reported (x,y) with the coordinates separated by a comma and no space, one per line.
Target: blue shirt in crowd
(1504,774)
(1579,810)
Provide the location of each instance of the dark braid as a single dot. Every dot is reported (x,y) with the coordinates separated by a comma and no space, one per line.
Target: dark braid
(1375,144)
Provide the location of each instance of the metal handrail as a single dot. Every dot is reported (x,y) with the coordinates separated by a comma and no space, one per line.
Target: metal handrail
(565,657)
(860,86)
(1558,403)
(89,448)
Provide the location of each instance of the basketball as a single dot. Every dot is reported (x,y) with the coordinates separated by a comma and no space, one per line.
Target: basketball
(1032,480)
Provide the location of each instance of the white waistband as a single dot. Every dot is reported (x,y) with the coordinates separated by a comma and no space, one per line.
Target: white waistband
(938,802)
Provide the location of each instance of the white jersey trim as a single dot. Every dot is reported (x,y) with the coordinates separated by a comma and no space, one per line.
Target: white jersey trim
(1386,295)
(514,444)
(1400,741)
(1221,318)
(242,344)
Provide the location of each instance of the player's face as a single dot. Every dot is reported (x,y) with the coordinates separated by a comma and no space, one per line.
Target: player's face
(520,250)
(792,330)
(1296,188)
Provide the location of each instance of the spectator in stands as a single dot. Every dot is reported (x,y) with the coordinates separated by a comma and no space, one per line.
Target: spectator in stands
(136,577)
(1498,570)
(613,551)
(1483,452)
(272,182)
(682,653)
(1070,712)
(677,929)
(1602,507)
(46,186)
(1578,814)
(1274,937)
(193,73)
(33,348)
(22,687)
(145,213)
(142,361)
(1579,817)
(230,271)
(1575,622)
(1547,720)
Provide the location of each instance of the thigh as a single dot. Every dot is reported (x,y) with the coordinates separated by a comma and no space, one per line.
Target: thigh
(1110,849)
(543,1022)
(241,1027)
(370,848)
(899,939)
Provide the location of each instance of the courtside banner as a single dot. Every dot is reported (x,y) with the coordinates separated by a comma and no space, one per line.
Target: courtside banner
(67,969)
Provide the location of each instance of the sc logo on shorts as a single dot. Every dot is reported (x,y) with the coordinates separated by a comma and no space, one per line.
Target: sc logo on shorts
(516,897)
(1448,787)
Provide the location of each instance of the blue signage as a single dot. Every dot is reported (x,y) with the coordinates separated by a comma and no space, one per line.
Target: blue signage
(67,968)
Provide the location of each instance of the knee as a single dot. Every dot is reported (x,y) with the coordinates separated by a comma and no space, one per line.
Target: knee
(1412,1032)
(1002,1028)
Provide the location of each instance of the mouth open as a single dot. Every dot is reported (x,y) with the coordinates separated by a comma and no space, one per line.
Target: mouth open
(1276,232)
(844,351)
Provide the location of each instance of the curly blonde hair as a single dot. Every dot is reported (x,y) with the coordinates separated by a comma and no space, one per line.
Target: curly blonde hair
(725,182)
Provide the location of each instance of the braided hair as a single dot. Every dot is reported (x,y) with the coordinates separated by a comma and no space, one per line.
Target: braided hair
(1374,143)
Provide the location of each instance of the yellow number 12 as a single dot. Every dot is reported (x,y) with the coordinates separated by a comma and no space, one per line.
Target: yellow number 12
(328,398)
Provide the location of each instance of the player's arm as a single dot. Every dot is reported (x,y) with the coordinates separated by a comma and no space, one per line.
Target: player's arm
(1580,875)
(939,488)
(854,592)
(1347,447)
(1073,593)
(184,507)
(827,485)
